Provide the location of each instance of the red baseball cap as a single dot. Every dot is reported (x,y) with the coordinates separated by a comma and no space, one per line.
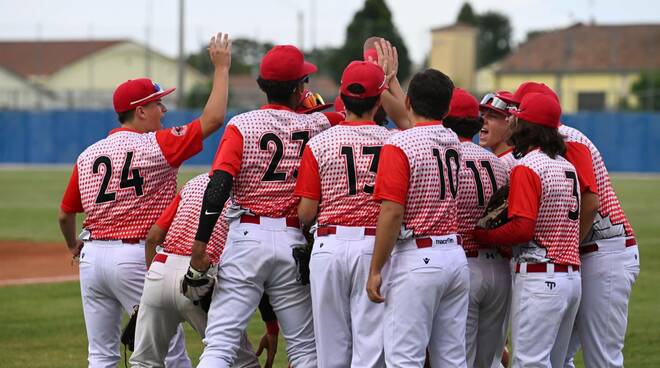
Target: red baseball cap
(531,87)
(498,102)
(285,63)
(463,105)
(370,53)
(368,75)
(137,92)
(539,108)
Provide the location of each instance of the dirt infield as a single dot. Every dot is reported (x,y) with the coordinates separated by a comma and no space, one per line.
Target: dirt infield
(30,263)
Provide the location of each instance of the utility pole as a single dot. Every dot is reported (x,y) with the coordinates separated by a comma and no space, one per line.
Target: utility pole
(182,58)
(301,30)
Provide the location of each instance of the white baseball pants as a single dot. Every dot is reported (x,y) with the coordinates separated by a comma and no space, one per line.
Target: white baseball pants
(258,257)
(488,310)
(111,281)
(163,308)
(608,275)
(543,309)
(347,325)
(426,302)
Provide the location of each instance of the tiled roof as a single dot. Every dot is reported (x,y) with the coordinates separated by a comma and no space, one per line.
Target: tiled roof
(588,48)
(36,58)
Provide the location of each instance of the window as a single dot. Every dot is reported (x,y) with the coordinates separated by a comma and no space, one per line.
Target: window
(591,101)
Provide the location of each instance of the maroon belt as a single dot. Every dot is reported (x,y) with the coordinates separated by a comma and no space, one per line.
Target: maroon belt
(332,230)
(428,242)
(125,241)
(543,267)
(593,247)
(475,253)
(160,257)
(249,219)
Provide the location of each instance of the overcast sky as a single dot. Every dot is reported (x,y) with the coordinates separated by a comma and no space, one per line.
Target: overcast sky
(277,21)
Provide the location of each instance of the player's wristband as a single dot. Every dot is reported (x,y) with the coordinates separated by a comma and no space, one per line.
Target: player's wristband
(194,274)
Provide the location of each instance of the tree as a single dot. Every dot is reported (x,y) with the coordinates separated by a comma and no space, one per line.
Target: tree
(647,90)
(246,55)
(374,19)
(493,36)
(466,15)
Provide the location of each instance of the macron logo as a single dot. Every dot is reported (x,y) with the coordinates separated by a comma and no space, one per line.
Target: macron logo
(444,241)
(211,213)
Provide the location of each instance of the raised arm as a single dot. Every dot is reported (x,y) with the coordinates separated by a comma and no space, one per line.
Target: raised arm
(393,98)
(216,107)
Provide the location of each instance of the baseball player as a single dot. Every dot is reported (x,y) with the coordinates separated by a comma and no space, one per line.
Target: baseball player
(335,183)
(608,276)
(610,266)
(544,209)
(494,132)
(122,183)
(480,175)
(426,286)
(162,306)
(257,161)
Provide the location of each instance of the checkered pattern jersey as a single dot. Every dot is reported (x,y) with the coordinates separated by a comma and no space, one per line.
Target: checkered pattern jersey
(428,210)
(273,143)
(183,229)
(554,230)
(611,221)
(480,175)
(130,214)
(338,150)
(509,161)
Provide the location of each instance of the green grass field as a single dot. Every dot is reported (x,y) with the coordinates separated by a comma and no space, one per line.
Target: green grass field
(42,325)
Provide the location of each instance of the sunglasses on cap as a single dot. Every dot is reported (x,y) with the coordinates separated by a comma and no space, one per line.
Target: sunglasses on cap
(312,100)
(492,100)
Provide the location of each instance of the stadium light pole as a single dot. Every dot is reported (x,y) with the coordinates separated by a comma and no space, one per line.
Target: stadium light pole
(182,61)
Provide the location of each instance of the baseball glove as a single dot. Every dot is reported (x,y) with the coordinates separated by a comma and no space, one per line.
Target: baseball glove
(496,213)
(302,256)
(198,286)
(128,334)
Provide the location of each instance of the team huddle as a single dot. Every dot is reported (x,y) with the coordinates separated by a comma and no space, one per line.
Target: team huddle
(365,246)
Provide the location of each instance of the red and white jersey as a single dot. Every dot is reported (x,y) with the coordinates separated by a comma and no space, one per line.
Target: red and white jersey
(481,174)
(546,190)
(181,218)
(508,159)
(124,182)
(262,150)
(610,221)
(338,169)
(419,169)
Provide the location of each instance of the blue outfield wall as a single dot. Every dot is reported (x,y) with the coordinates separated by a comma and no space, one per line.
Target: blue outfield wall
(628,141)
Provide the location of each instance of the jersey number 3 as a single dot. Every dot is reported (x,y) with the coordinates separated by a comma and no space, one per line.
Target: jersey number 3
(135,180)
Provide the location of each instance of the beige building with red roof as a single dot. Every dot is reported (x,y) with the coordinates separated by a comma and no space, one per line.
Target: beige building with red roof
(591,67)
(79,74)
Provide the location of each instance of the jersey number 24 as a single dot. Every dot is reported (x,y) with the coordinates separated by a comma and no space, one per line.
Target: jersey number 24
(129,178)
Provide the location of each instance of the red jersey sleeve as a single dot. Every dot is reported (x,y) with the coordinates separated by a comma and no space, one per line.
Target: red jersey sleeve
(393,176)
(524,193)
(165,220)
(308,184)
(71,202)
(180,143)
(230,152)
(579,155)
(334,117)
